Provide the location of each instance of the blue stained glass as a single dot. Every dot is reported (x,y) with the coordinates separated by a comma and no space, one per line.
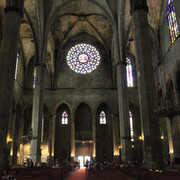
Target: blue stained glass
(17,60)
(34,78)
(83,58)
(129,73)
(131,126)
(172,21)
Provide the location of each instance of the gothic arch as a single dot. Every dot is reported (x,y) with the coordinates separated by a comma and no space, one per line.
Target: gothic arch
(83,122)
(60,103)
(62,146)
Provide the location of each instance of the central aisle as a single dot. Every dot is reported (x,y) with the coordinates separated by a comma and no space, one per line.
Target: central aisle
(80,174)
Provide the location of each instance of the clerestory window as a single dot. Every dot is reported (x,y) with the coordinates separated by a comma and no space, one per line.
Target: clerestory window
(172,21)
(102,117)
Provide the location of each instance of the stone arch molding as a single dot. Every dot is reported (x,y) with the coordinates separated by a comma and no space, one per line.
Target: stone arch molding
(60,103)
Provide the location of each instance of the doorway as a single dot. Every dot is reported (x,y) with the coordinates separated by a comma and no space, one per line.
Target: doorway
(82,160)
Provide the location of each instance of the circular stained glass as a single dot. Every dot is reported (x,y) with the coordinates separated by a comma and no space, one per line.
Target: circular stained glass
(83,58)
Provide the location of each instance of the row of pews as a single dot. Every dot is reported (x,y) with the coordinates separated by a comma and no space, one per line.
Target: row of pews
(150,174)
(43,173)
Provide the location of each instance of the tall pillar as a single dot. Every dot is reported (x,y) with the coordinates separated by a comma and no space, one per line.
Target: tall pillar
(175,127)
(123,114)
(10,135)
(52,120)
(18,142)
(8,53)
(94,135)
(170,141)
(115,132)
(35,150)
(72,137)
(152,153)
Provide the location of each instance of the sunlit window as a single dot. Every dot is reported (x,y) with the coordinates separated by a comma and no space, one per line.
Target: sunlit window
(17,60)
(64,119)
(102,118)
(129,73)
(131,126)
(34,78)
(42,130)
(172,21)
(83,58)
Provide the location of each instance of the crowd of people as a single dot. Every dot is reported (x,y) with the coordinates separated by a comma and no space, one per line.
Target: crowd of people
(8,175)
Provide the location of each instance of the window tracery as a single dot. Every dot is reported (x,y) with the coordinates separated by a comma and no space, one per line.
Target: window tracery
(131,126)
(34,78)
(129,73)
(102,117)
(83,58)
(16,69)
(172,21)
(64,119)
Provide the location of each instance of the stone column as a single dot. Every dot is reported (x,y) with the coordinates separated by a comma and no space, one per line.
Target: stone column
(8,53)
(35,150)
(18,142)
(164,137)
(10,134)
(175,127)
(72,137)
(169,133)
(52,119)
(123,113)
(94,135)
(146,87)
(115,132)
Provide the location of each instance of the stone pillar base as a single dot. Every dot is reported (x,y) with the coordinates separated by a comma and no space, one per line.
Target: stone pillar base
(116,159)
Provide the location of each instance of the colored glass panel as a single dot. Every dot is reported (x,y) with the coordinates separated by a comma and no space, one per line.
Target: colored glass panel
(131,126)
(129,73)
(17,60)
(83,58)
(172,21)
(64,119)
(34,78)
(102,118)
(42,130)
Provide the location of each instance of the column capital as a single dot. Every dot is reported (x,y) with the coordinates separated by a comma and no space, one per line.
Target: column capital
(139,5)
(14,5)
(52,116)
(40,64)
(13,8)
(121,63)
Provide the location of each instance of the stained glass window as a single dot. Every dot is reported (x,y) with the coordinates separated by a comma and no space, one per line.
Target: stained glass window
(42,130)
(64,119)
(17,60)
(102,118)
(131,126)
(172,21)
(34,78)
(83,58)
(129,73)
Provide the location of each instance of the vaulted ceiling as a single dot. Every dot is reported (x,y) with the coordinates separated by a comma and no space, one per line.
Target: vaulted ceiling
(61,20)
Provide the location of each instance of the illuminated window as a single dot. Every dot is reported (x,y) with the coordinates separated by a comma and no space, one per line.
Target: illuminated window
(34,78)
(42,130)
(172,21)
(102,118)
(17,60)
(83,58)
(64,119)
(131,126)
(129,73)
